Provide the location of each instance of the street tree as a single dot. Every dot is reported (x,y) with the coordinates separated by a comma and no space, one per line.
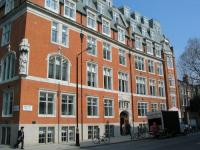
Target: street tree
(189,62)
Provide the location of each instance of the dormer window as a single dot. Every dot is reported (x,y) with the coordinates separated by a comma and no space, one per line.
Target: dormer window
(138,43)
(9,6)
(158,50)
(70,9)
(133,26)
(115,16)
(52,5)
(91,20)
(144,31)
(121,35)
(137,18)
(152,35)
(105,27)
(100,7)
(127,12)
(109,3)
(149,48)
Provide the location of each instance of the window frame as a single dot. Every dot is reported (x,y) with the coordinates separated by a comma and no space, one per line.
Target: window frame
(6,33)
(105,49)
(154,85)
(112,107)
(74,105)
(49,8)
(94,19)
(122,54)
(109,30)
(10,93)
(96,71)
(138,43)
(74,9)
(152,107)
(61,73)
(92,113)
(60,34)
(125,85)
(138,65)
(145,111)
(54,103)
(111,72)
(89,39)
(144,86)
(121,36)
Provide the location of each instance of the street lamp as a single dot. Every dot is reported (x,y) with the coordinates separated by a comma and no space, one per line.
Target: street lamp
(77,57)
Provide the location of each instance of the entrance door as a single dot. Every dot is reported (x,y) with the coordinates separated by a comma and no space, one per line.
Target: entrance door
(124,119)
(5,136)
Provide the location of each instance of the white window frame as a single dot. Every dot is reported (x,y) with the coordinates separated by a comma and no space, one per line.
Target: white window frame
(107,47)
(96,71)
(152,83)
(145,112)
(54,104)
(133,26)
(106,21)
(97,115)
(144,31)
(100,7)
(158,51)
(92,45)
(149,47)
(151,66)
(161,106)
(6,34)
(154,107)
(66,130)
(143,82)
(69,7)
(140,63)
(68,71)
(161,84)
(112,107)
(122,55)
(60,34)
(138,43)
(49,8)
(95,20)
(171,79)
(124,79)
(46,134)
(121,35)
(7,102)
(74,104)
(160,68)
(111,73)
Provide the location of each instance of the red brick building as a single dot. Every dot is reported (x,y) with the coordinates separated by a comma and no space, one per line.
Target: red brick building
(127,69)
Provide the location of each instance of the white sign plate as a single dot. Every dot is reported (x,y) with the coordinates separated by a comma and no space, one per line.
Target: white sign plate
(27,108)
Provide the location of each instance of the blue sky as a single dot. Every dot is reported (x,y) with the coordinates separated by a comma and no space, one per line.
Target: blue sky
(179,19)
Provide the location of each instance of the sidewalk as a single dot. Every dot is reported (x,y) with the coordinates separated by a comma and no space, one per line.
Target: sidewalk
(71,146)
(113,140)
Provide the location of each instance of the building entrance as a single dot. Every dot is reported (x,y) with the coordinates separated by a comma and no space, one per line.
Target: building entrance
(124,120)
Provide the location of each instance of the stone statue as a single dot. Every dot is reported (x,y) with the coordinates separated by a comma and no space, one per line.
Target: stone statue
(24,57)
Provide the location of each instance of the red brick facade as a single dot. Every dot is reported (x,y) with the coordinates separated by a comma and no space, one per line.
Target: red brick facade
(31,20)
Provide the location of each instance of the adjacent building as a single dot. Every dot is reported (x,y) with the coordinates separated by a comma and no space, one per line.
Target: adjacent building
(187,92)
(126,68)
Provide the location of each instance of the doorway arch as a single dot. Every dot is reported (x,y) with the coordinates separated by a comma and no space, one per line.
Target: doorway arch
(124,119)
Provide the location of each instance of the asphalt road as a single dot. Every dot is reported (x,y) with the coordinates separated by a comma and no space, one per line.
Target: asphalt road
(191,142)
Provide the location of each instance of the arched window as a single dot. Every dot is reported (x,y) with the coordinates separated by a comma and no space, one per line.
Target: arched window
(8,67)
(58,68)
